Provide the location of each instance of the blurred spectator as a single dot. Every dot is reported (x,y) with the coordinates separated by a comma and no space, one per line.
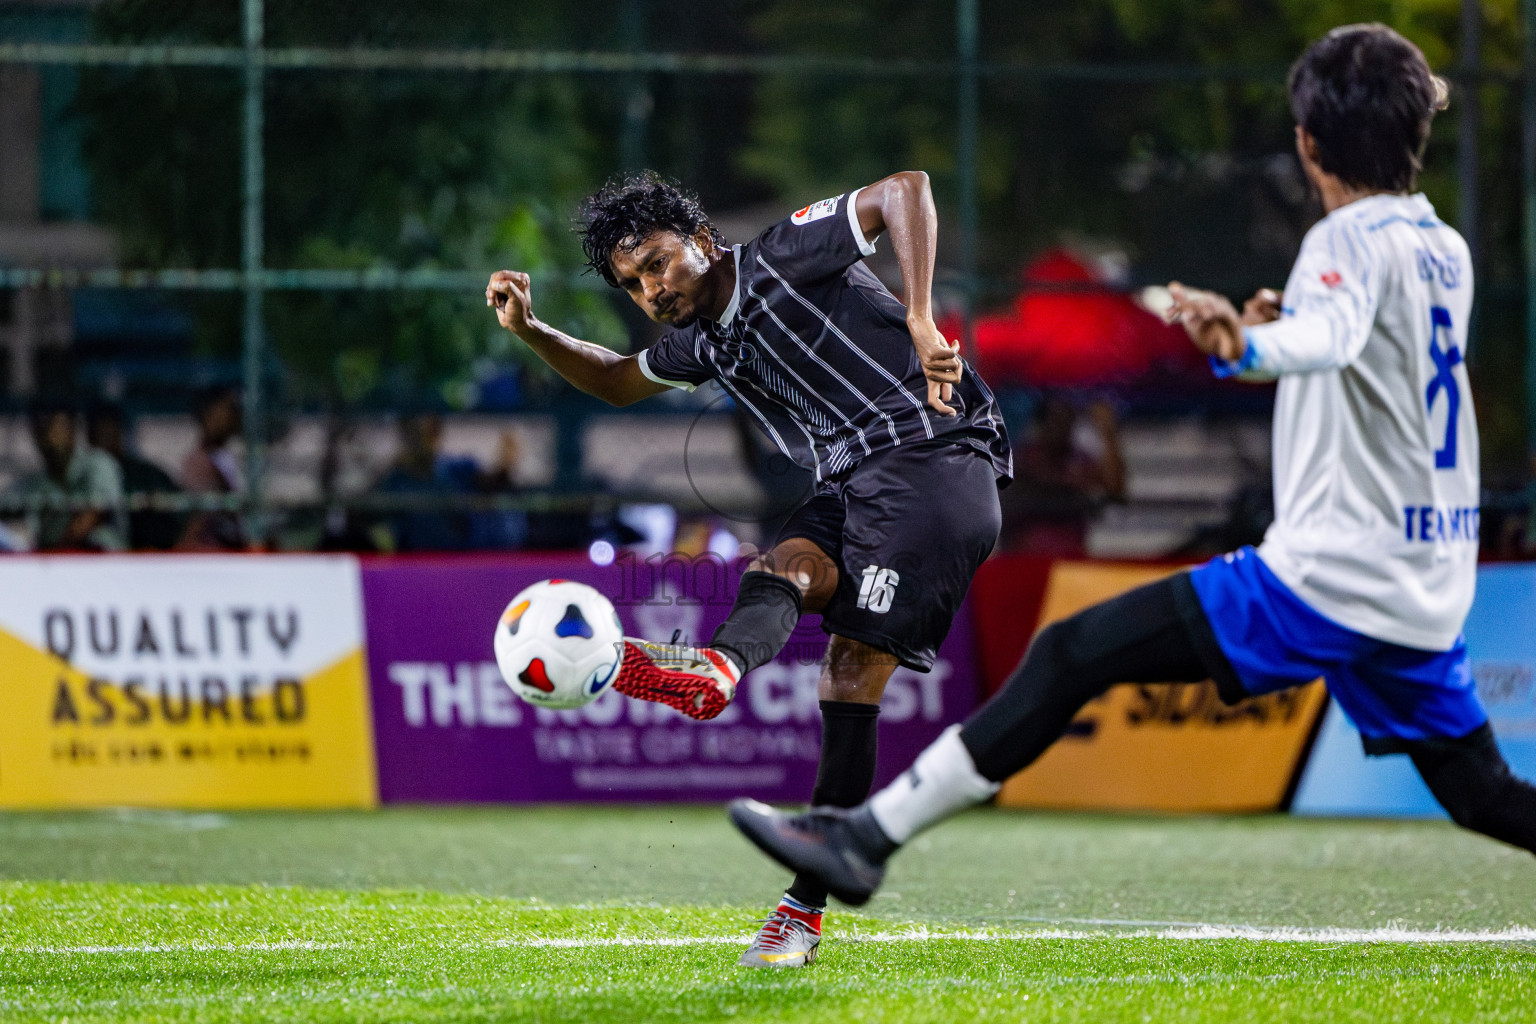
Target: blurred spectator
(422,469)
(106,431)
(212,468)
(71,470)
(1058,484)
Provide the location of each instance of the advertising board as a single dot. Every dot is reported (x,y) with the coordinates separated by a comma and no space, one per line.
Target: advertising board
(448,729)
(183,681)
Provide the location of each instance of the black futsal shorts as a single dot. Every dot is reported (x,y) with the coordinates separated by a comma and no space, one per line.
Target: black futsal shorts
(908,528)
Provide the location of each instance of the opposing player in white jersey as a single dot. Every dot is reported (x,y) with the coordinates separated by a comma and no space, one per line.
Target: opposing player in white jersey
(1367,573)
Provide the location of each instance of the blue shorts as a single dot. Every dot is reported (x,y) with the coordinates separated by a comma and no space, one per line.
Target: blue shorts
(1274,640)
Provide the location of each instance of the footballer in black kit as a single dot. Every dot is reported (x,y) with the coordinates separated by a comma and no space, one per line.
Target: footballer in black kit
(903,439)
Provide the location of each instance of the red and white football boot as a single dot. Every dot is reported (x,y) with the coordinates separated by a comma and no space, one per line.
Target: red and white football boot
(698,681)
(788,938)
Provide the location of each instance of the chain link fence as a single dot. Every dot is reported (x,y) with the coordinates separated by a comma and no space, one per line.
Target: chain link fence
(307,205)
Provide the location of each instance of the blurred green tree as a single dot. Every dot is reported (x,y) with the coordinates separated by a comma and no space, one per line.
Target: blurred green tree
(1190,177)
(1186,169)
(363,170)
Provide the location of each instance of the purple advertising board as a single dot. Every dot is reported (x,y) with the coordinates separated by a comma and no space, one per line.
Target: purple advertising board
(448,729)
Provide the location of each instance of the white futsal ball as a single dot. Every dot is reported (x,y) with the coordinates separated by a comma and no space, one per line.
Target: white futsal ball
(559,644)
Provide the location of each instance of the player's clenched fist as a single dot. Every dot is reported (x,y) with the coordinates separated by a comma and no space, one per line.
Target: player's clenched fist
(510,292)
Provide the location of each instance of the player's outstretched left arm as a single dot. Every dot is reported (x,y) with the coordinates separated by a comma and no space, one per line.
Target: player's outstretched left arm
(902,205)
(600,372)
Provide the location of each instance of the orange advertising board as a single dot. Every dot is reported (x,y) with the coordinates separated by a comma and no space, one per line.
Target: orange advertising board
(1163,747)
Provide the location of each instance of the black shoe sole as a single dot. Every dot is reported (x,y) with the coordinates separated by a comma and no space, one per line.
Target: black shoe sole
(767,833)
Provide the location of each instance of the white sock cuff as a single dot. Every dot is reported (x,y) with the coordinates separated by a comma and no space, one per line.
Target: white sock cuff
(942,781)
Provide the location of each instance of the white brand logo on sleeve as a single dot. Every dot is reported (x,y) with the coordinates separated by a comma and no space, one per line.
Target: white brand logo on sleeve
(878,589)
(816,211)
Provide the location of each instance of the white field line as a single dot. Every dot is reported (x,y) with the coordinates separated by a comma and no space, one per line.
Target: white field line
(1187,934)
(192,947)
(1345,935)
(1190,933)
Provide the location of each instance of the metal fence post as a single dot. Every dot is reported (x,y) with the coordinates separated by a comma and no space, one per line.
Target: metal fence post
(967,115)
(251,265)
(1468,108)
(1528,174)
(637,90)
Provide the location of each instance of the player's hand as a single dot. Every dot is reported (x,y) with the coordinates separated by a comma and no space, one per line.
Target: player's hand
(510,293)
(1263,308)
(940,360)
(1211,322)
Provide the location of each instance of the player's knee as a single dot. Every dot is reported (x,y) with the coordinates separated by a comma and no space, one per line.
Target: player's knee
(1464,806)
(1473,784)
(1048,646)
(1060,647)
(1060,659)
(805,565)
(1046,661)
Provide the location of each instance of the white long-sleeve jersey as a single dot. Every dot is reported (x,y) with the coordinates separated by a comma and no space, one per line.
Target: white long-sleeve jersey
(1375,440)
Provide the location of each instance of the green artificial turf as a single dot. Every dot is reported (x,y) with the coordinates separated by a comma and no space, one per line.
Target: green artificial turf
(568,914)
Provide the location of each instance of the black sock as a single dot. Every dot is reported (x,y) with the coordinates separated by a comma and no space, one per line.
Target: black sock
(846,772)
(767,608)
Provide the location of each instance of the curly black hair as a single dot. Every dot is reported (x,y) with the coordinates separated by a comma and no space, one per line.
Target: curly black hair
(629,209)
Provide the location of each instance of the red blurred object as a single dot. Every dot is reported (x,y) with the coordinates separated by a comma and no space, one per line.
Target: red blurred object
(1068,328)
(1007,593)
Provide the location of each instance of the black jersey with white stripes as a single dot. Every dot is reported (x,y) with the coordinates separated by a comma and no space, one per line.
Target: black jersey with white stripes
(818,352)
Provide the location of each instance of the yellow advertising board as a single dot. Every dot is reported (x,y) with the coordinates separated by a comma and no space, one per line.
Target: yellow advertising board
(1164,747)
(183,681)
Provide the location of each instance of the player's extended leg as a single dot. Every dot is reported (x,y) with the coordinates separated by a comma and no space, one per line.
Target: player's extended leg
(1155,633)
(1473,783)
(795,577)
(853,678)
